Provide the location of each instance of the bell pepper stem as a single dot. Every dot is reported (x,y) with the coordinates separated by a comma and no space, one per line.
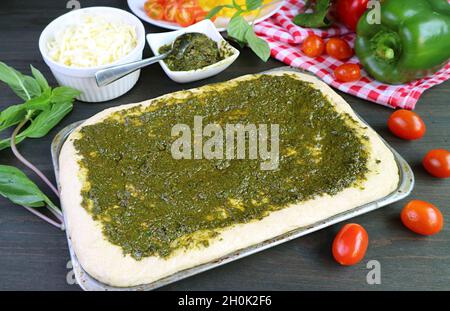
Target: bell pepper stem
(386,45)
(385,52)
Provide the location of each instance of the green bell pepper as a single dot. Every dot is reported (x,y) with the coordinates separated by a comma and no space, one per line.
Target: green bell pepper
(411,41)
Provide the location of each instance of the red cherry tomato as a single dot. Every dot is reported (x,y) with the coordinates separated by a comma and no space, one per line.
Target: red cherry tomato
(338,49)
(406,124)
(350,244)
(422,217)
(349,11)
(437,163)
(347,72)
(184,17)
(154,10)
(313,46)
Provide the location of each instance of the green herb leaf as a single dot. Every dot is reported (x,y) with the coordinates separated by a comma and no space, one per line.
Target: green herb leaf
(63,94)
(214,11)
(44,107)
(12,116)
(6,143)
(40,103)
(16,113)
(24,86)
(41,124)
(40,79)
(258,45)
(47,120)
(17,187)
(318,18)
(238,27)
(253,4)
(241,31)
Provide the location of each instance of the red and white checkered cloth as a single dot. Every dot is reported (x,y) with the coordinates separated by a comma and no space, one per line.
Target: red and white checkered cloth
(284,38)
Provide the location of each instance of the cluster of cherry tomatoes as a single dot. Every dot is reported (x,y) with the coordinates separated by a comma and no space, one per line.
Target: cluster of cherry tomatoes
(350,244)
(182,12)
(314,46)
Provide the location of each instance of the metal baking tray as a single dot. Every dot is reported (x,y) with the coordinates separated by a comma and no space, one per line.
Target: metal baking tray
(87,282)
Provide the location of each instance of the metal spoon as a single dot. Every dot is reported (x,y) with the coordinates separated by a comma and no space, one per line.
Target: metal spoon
(106,76)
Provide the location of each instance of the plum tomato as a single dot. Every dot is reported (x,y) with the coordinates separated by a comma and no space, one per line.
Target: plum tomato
(350,244)
(422,217)
(347,72)
(437,163)
(338,48)
(406,124)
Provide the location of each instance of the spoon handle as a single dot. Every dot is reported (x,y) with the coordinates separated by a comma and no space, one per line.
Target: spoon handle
(106,76)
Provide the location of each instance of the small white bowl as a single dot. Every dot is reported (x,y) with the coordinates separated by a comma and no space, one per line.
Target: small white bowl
(83,79)
(157,40)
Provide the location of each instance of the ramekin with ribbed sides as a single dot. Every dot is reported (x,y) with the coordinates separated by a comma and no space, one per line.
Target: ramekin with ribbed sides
(79,43)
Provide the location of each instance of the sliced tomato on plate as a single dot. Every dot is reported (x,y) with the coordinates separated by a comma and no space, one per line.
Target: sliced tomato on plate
(182,12)
(154,10)
(184,17)
(189,4)
(199,14)
(171,11)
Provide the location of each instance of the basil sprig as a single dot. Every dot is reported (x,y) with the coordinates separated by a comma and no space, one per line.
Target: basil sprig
(43,108)
(240,30)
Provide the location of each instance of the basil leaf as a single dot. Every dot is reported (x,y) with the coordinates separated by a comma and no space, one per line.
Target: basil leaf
(318,18)
(258,45)
(42,123)
(63,94)
(40,79)
(17,187)
(237,28)
(46,120)
(12,116)
(16,113)
(41,102)
(24,86)
(6,143)
(214,11)
(253,4)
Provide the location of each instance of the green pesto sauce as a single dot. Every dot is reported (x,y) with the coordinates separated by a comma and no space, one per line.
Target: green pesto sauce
(201,52)
(150,204)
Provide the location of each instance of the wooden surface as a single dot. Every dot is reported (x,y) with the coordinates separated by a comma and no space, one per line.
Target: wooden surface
(34,255)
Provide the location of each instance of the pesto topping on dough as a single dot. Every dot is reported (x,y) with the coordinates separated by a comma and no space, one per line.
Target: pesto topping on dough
(150,204)
(201,52)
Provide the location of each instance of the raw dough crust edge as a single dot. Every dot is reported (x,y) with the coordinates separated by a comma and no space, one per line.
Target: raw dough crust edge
(106,262)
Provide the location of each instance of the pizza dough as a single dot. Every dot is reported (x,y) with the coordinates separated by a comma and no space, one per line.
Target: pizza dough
(107,263)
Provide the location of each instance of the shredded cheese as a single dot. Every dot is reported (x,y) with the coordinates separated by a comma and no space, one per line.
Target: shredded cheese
(93,42)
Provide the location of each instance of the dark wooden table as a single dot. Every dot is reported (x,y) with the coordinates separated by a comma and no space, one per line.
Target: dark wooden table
(34,255)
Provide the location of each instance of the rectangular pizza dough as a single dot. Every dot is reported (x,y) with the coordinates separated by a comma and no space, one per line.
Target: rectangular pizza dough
(107,263)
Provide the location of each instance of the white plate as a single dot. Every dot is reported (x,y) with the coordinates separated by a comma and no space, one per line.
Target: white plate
(137,7)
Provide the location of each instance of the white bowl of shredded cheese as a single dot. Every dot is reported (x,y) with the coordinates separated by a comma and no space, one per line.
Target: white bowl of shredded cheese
(81,42)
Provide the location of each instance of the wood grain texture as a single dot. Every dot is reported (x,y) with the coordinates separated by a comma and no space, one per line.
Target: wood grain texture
(34,255)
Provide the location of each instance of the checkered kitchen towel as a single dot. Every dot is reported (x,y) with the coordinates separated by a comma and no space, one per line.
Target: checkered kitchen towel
(284,38)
